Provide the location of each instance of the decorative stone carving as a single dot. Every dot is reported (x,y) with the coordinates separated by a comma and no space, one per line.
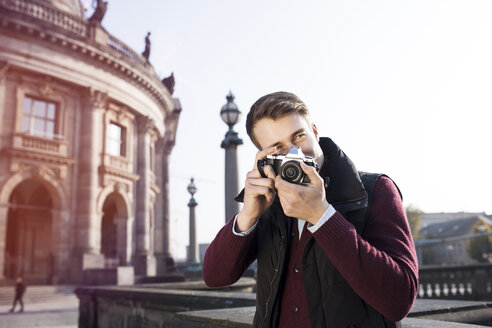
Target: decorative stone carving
(145,123)
(146,52)
(117,187)
(4,66)
(121,113)
(169,83)
(46,88)
(98,99)
(99,13)
(39,171)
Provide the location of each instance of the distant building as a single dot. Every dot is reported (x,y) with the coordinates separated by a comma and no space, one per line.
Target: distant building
(86,130)
(451,238)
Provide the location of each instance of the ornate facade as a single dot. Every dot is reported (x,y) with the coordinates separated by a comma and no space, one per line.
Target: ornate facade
(86,129)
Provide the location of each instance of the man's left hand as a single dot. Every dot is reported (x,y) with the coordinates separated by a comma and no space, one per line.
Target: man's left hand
(303,201)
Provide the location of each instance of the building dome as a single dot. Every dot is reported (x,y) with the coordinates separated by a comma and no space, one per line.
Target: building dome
(73,7)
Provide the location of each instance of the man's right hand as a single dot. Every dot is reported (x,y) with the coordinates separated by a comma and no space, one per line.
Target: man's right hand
(259,193)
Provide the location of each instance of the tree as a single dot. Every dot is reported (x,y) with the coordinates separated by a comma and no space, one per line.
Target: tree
(414,216)
(479,248)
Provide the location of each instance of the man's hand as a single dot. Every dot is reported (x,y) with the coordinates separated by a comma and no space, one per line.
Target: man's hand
(307,201)
(259,193)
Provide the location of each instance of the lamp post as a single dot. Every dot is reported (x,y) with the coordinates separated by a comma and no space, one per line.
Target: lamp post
(193,247)
(230,115)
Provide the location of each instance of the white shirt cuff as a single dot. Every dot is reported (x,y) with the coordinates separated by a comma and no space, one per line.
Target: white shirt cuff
(244,233)
(325,217)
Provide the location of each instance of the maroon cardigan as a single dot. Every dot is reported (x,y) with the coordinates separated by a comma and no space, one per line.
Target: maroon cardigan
(381,267)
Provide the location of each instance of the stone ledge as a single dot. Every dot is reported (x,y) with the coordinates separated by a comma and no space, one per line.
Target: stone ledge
(243,317)
(192,305)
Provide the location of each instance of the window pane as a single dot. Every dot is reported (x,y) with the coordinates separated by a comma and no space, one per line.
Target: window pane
(113,147)
(114,131)
(25,124)
(39,108)
(38,127)
(27,105)
(51,111)
(50,128)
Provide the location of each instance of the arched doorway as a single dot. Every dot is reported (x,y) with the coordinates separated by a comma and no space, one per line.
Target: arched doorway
(114,230)
(109,231)
(28,250)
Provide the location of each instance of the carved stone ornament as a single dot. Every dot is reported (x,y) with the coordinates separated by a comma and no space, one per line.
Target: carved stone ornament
(99,12)
(98,99)
(46,88)
(121,113)
(118,187)
(145,123)
(4,66)
(37,171)
(169,83)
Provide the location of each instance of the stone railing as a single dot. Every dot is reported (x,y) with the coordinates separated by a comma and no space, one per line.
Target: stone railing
(28,142)
(192,304)
(470,282)
(125,50)
(118,162)
(40,11)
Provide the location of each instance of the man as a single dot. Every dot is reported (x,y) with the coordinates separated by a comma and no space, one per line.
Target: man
(330,253)
(20,288)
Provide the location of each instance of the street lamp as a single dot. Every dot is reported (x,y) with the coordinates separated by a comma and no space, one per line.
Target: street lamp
(230,115)
(193,247)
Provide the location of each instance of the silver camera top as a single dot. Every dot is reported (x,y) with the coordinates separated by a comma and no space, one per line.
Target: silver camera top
(295,153)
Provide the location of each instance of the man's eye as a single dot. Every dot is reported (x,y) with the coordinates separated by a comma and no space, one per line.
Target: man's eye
(300,136)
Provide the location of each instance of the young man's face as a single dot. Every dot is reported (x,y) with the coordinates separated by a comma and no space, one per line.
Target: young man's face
(287,131)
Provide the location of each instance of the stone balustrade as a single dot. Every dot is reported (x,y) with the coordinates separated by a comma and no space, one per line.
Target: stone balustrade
(470,282)
(125,50)
(119,162)
(39,10)
(192,304)
(27,142)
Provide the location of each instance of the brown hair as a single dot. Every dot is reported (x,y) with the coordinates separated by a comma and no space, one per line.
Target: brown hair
(274,106)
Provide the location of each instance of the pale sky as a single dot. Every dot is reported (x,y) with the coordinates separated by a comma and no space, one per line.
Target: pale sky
(403,87)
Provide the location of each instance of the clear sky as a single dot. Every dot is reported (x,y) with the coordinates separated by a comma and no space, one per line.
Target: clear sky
(403,87)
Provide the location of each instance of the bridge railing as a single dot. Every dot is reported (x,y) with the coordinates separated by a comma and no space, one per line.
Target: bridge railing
(468,282)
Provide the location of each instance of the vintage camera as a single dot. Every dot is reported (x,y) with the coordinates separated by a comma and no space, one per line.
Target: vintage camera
(288,165)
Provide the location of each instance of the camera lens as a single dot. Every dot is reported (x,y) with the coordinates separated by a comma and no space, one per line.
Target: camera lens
(291,171)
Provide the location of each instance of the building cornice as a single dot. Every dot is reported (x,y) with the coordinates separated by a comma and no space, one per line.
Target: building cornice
(103,169)
(38,156)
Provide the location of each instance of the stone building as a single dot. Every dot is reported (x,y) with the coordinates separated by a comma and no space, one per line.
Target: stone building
(454,239)
(86,129)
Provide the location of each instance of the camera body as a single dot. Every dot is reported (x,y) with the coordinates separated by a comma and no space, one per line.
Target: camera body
(288,165)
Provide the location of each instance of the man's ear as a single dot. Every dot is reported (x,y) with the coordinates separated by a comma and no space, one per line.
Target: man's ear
(315,130)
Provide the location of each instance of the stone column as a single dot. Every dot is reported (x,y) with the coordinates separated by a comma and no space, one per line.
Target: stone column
(123,240)
(193,246)
(165,262)
(230,143)
(144,262)
(3,239)
(88,221)
(62,256)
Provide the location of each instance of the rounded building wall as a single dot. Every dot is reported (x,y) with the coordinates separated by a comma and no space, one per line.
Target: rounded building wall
(86,112)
